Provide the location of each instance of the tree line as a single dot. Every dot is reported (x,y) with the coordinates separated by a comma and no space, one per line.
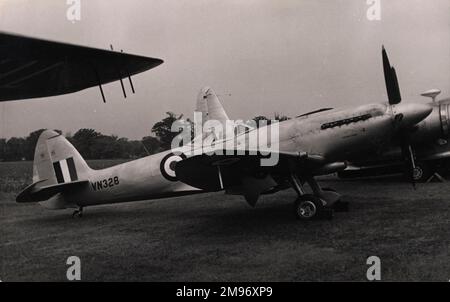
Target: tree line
(94,145)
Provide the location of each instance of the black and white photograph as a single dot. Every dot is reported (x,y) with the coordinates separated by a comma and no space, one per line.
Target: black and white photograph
(240,142)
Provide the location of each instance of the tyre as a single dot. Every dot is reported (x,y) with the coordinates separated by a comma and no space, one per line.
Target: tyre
(422,172)
(308,207)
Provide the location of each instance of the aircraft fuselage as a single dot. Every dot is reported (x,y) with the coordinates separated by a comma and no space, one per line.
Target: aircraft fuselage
(334,135)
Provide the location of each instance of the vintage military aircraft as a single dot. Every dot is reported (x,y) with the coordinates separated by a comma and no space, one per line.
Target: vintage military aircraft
(312,144)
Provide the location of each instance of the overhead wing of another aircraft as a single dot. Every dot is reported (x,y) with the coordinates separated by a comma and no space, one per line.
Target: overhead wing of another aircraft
(33,68)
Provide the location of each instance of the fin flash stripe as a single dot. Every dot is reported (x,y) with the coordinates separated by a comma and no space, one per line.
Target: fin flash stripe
(65,170)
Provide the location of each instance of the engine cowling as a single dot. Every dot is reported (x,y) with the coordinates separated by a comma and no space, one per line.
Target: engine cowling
(436,125)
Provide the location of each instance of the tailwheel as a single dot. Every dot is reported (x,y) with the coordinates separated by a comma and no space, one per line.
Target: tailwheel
(78,213)
(308,207)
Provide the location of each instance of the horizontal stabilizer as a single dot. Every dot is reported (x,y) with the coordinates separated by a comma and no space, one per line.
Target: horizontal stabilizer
(33,68)
(33,193)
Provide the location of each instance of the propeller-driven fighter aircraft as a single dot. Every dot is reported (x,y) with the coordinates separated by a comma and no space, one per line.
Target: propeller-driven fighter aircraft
(312,144)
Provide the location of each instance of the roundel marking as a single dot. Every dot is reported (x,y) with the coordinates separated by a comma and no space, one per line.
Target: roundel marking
(168,163)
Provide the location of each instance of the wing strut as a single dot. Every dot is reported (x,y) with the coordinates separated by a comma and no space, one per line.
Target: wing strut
(129,77)
(120,77)
(99,82)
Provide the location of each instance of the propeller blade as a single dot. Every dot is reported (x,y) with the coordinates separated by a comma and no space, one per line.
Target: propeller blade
(390,77)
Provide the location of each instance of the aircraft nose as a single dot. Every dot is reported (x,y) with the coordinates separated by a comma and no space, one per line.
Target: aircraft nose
(411,114)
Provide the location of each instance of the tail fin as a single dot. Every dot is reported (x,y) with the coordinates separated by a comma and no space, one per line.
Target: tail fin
(209,104)
(211,108)
(57,161)
(202,105)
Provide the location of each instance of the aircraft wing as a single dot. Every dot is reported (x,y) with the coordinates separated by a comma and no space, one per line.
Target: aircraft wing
(216,172)
(33,68)
(242,173)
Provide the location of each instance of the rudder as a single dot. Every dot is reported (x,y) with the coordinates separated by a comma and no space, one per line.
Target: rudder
(209,104)
(57,161)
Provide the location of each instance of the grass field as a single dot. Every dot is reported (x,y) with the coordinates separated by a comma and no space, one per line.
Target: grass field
(214,237)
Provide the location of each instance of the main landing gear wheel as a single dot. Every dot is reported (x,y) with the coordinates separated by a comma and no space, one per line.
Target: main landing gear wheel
(421,172)
(309,207)
(77,213)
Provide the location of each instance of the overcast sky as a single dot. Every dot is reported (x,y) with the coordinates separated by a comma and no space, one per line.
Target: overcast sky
(270,55)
